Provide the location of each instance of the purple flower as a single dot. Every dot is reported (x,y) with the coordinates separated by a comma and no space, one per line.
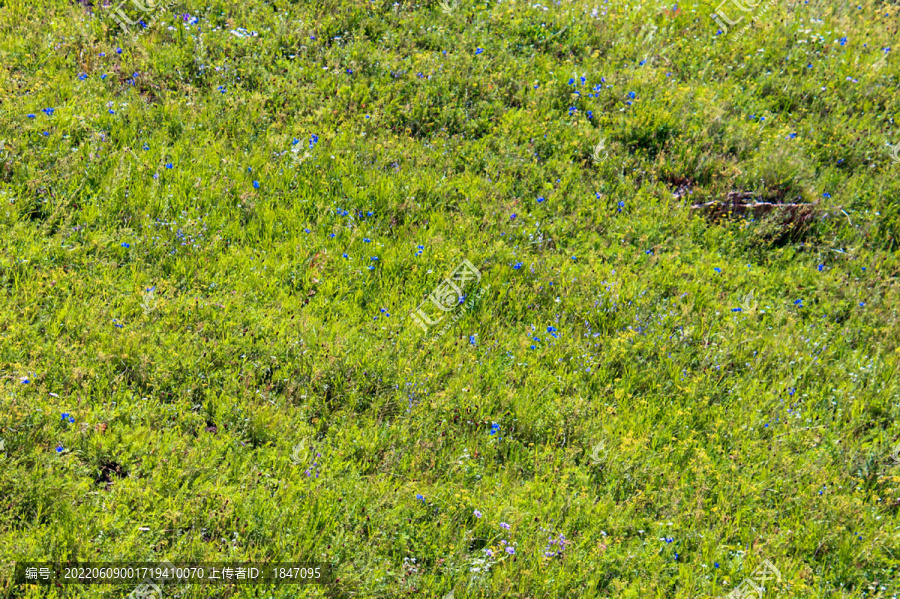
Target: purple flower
(477,514)
(504,525)
(510,550)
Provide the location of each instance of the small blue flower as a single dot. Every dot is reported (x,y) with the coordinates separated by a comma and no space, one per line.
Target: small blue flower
(59,449)
(798,302)
(479,50)
(118,50)
(631,95)
(517,265)
(313,140)
(512,216)
(420,497)
(374,257)
(82,77)
(255,184)
(168,165)
(791,136)
(736,310)
(111,111)
(718,270)
(367,240)
(716,564)
(125,244)
(843,41)
(47,111)
(821,267)
(541,200)
(826,195)
(345,256)
(65,416)
(103,76)
(31,116)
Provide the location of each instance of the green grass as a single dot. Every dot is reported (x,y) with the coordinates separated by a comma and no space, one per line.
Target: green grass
(674,442)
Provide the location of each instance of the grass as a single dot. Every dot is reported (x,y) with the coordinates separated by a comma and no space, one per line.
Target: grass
(652,398)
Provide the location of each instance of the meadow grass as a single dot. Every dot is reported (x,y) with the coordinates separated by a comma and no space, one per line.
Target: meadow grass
(212,243)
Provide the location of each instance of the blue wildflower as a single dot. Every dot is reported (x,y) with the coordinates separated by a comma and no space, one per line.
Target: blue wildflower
(479,50)
(255,184)
(517,265)
(125,244)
